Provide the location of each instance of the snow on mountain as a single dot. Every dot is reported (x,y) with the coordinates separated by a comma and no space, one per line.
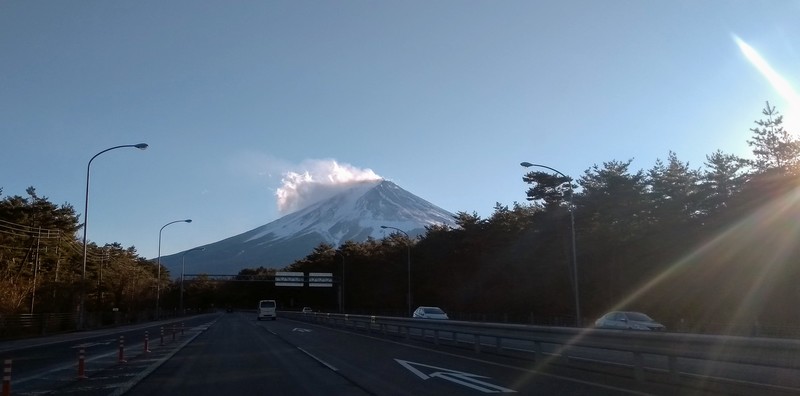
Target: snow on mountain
(354,214)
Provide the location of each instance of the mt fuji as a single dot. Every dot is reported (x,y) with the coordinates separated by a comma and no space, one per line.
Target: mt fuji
(354,214)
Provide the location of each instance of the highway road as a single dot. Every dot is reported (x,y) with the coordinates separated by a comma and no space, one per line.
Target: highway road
(234,353)
(238,354)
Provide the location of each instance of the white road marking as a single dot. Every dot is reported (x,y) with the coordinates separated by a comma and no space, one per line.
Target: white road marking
(458,377)
(91,344)
(318,359)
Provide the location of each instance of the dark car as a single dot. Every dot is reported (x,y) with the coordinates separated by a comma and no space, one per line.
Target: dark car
(628,320)
(429,313)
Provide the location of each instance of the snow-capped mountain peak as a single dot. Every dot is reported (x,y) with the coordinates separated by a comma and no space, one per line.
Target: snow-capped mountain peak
(359,210)
(356,213)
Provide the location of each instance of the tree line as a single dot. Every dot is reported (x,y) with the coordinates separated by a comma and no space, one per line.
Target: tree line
(706,249)
(700,249)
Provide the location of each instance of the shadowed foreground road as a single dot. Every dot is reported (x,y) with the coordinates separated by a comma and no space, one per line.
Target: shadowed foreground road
(237,355)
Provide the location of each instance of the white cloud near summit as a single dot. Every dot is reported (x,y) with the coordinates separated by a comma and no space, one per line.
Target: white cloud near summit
(317,180)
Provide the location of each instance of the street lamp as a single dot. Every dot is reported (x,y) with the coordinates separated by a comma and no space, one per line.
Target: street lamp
(82,308)
(183,269)
(408,297)
(158,279)
(341,286)
(578,319)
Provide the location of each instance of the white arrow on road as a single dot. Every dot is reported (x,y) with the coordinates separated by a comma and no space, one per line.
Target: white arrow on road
(458,377)
(301,330)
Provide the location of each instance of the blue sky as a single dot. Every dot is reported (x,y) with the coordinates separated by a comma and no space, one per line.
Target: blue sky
(444,98)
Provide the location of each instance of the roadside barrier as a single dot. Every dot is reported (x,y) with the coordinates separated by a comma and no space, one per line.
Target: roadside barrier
(81,364)
(122,349)
(639,350)
(7,377)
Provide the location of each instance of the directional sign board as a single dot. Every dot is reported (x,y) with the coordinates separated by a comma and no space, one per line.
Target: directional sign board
(320,279)
(427,372)
(291,279)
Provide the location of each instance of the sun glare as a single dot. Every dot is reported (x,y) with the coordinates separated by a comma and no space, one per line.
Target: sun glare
(762,242)
(778,83)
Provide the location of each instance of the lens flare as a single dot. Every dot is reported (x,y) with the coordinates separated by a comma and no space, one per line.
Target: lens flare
(778,83)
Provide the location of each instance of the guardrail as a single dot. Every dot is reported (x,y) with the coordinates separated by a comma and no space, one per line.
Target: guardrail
(676,358)
(26,325)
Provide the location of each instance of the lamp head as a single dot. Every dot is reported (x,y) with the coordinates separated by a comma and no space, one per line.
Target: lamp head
(526,164)
(384,226)
(141,146)
(188,220)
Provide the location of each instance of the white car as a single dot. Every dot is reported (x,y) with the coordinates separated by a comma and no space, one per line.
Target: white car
(307,310)
(429,313)
(266,309)
(627,320)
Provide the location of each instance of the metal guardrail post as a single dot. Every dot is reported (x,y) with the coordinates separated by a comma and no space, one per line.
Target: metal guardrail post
(672,361)
(638,366)
(539,352)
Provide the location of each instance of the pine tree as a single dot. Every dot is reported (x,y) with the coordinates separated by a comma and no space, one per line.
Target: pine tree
(723,179)
(774,148)
(674,191)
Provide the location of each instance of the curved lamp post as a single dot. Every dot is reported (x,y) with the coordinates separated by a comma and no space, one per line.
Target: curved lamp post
(82,308)
(158,279)
(183,269)
(408,297)
(578,319)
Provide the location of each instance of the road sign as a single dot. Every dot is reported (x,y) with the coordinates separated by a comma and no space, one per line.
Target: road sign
(320,279)
(292,279)
(427,372)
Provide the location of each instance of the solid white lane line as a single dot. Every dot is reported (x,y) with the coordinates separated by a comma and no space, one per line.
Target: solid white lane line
(318,359)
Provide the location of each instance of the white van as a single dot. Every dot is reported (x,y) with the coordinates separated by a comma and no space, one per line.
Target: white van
(266,309)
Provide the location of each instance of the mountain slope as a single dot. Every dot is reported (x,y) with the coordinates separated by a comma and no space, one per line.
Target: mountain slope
(354,214)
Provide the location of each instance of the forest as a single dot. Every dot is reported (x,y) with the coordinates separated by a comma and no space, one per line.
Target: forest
(710,249)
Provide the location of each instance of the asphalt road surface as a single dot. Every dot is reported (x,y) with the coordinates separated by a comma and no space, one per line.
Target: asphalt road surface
(49,365)
(238,355)
(225,353)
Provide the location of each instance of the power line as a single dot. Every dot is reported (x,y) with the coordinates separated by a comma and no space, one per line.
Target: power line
(8,227)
